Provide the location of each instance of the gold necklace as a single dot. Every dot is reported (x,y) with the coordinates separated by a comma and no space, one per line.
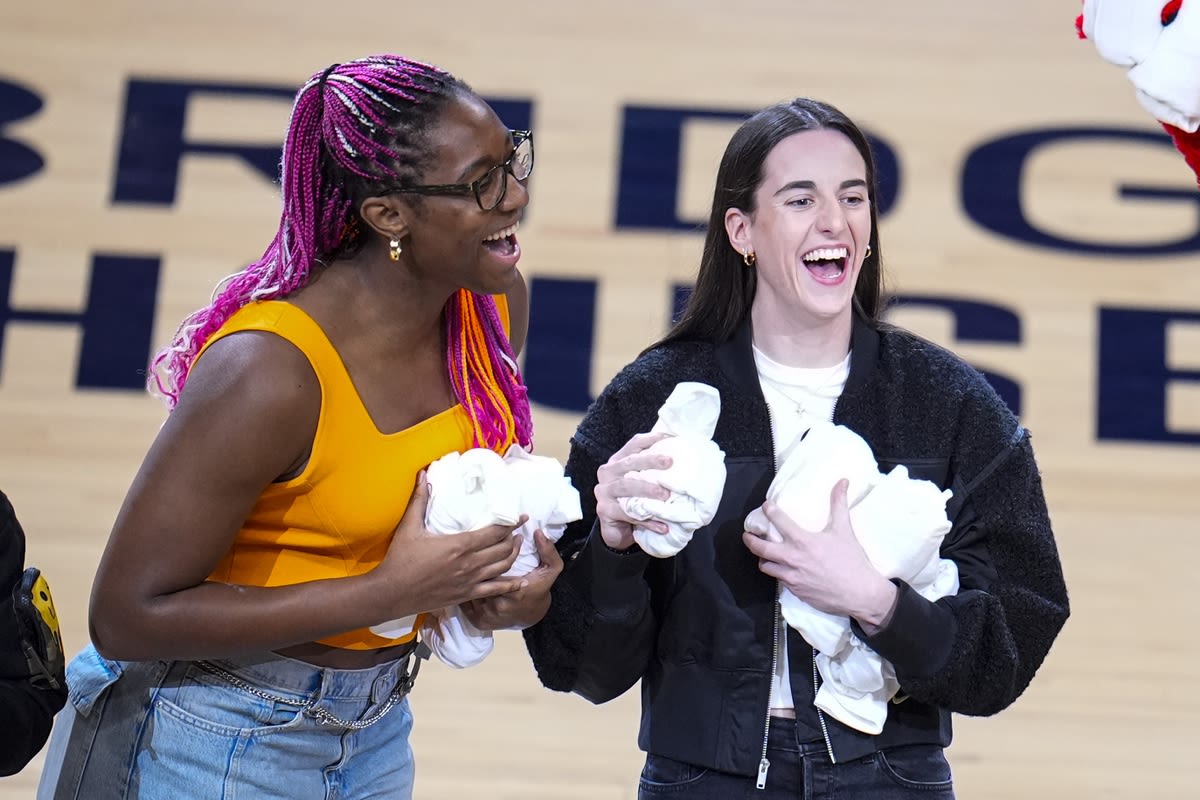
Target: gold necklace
(784,394)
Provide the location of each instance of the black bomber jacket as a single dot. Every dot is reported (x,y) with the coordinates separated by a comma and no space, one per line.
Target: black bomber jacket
(697,629)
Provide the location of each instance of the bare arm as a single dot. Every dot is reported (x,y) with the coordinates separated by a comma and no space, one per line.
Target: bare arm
(247,416)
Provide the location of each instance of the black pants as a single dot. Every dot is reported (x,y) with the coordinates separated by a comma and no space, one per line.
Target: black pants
(803,771)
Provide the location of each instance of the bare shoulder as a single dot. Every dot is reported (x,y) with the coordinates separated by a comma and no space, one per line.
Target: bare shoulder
(245,417)
(250,391)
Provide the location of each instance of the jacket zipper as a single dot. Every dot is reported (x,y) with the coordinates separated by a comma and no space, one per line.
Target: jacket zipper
(816,673)
(820,715)
(764,763)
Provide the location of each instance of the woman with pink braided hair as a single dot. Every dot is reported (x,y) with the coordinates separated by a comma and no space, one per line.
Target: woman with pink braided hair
(274,520)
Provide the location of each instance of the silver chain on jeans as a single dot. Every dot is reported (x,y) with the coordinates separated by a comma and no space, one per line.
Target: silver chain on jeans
(311,709)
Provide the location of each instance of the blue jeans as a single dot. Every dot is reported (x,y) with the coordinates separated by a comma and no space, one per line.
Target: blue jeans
(803,771)
(255,726)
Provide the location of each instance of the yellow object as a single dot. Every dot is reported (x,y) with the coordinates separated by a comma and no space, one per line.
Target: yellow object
(43,601)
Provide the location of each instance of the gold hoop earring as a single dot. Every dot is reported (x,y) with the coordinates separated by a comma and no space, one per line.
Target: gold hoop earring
(868,253)
(749,259)
(395,249)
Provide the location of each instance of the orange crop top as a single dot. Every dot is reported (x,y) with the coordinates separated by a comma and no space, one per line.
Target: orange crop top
(336,518)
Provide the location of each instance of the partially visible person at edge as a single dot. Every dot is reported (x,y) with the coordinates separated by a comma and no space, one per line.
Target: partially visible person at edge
(33,687)
(785,322)
(279,512)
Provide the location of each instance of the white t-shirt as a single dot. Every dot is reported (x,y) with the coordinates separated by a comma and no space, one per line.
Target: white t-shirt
(796,397)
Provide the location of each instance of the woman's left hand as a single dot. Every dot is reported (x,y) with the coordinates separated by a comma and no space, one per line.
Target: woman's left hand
(528,604)
(828,568)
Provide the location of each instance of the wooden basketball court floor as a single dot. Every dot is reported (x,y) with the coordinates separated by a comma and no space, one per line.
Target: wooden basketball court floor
(1112,713)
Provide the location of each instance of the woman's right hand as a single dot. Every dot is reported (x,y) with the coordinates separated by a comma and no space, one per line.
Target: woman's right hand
(614,483)
(424,571)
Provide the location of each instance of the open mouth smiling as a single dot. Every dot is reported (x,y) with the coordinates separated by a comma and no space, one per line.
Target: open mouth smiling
(827,263)
(503,242)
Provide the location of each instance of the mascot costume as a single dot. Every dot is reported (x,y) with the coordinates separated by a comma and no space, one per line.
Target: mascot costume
(1158,42)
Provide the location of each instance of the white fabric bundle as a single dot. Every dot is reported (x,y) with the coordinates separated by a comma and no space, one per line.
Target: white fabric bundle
(473,490)
(546,495)
(900,523)
(1163,62)
(696,477)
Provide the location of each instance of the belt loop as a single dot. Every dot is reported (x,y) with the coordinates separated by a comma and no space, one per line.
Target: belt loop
(324,687)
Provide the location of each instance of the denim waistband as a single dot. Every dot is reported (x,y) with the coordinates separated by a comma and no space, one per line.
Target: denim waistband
(783,736)
(271,671)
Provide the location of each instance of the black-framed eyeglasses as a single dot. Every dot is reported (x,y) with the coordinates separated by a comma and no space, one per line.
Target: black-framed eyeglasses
(489,190)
